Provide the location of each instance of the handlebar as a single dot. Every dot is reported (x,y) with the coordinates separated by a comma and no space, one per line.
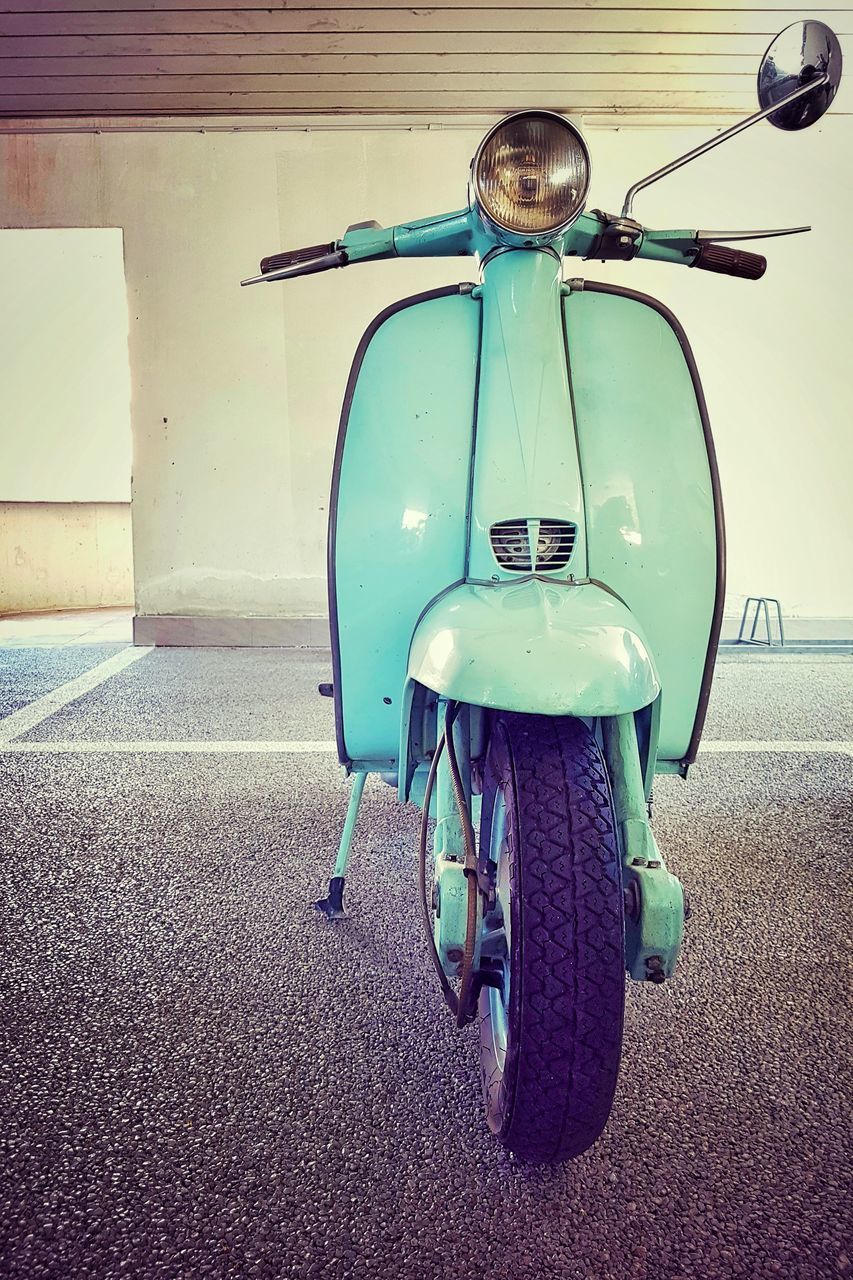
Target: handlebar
(594,235)
(730,262)
(294,257)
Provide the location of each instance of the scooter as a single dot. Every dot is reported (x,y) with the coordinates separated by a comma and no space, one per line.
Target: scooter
(526,578)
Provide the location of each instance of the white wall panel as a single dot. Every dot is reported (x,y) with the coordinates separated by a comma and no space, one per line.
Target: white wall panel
(64,373)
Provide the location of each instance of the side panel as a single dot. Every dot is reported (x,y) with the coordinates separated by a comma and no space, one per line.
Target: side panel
(654,520)
(399,506)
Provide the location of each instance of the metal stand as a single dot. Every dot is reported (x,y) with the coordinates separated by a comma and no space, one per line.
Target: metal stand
(762,604)
(333,906)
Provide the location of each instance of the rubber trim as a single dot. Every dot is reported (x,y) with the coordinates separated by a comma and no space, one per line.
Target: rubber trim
(445,291)
(591,286)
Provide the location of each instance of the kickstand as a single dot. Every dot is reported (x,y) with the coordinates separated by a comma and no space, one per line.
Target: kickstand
(333,906)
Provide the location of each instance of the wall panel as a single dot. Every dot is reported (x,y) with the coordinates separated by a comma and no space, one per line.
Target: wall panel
(180,57)
(64,555)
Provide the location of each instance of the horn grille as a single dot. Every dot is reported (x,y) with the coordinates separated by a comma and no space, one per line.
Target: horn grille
(527,546)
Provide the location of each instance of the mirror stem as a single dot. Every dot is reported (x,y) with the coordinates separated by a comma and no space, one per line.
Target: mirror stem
(817,83)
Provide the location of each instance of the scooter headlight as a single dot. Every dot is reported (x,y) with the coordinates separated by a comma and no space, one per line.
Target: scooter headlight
(531,175)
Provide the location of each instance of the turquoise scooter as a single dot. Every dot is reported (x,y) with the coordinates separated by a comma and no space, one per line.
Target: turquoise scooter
(526,573)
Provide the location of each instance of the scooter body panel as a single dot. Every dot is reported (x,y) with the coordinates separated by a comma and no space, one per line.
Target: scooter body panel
(399,503)
(651,496)
(418,478)
(526,460)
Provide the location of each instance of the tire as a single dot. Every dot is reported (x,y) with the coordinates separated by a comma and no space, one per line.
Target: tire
(546,802)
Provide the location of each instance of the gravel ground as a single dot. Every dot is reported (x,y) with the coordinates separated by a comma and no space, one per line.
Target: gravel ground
(272,694)
(205,693)
(27,674)
(201,1077)
(768,697)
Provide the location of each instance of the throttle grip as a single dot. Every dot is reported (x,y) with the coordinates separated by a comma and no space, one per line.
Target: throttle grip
(730,262)
(293,257)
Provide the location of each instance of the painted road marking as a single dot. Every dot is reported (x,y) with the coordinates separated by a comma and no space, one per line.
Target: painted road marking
(34,712)
(153,747)
(238,747)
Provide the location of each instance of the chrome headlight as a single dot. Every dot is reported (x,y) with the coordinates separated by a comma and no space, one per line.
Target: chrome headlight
(531,175)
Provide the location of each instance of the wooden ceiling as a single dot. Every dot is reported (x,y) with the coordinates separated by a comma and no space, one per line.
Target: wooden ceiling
(234,57)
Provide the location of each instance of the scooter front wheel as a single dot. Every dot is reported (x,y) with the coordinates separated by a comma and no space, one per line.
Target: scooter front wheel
(551,1025)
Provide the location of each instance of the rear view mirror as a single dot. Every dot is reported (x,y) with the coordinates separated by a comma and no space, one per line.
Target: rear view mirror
(803,52)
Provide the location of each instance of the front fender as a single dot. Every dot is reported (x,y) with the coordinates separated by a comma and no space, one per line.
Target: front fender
(538,646)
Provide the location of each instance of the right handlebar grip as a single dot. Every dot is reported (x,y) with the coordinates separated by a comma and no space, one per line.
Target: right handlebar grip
(293,257)
(730,262)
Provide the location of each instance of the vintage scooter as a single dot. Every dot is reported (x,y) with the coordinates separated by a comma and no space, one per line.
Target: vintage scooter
(526,565)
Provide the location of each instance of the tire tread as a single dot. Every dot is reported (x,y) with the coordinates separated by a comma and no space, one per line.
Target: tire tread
(562,1066)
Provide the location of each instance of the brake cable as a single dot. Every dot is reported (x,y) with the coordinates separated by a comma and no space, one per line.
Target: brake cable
(459,1005)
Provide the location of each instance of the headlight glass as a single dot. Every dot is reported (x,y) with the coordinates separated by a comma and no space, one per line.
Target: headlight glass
(531,174)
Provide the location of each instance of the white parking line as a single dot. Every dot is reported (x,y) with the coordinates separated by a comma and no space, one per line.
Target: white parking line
(325,747)
(153,747)
(806,746)
(34,712)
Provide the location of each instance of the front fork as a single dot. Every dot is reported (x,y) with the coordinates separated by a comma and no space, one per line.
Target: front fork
(450,884)
(654,899)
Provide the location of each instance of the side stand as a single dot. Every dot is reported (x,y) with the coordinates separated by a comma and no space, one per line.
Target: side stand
(333,906)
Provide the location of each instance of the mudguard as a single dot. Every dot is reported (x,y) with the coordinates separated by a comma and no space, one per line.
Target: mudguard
(538,646)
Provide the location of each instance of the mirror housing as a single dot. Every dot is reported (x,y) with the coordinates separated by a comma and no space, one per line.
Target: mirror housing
(799,54)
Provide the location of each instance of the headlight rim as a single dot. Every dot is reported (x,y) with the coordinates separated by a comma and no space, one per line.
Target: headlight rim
(502,230)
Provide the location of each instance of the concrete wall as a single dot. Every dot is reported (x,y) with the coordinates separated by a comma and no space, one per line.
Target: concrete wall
(64,555)
(236,393)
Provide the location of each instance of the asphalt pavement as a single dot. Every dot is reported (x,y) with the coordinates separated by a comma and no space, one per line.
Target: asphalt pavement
(201,1077)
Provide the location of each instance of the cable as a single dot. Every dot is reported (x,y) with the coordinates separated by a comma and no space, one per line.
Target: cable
(448,992)
(465,1014)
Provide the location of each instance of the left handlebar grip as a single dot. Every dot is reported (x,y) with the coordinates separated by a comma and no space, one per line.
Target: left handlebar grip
(294,257)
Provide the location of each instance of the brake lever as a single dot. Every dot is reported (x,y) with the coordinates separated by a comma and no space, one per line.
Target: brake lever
(712,237)
(326,263)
